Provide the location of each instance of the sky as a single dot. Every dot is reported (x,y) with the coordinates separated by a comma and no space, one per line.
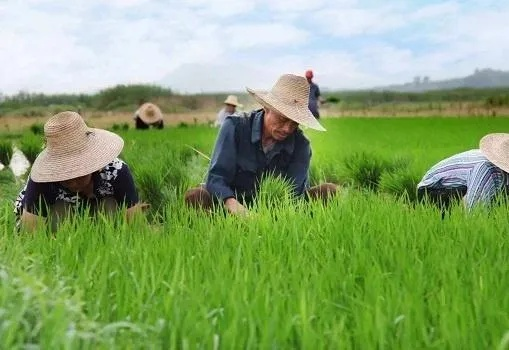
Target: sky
(64,46)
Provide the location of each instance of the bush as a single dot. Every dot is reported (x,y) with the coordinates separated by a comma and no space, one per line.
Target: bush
(332,99)
(5,152)
(497,101)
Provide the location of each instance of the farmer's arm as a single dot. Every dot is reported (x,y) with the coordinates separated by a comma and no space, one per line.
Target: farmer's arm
(126,193)
(223,167)
(31,222)
(485,182)
(35,206)
(298,169)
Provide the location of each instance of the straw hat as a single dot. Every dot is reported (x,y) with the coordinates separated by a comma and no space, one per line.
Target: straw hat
(232,100)
(289,97)
(496,148)
(73,149)
(150,113)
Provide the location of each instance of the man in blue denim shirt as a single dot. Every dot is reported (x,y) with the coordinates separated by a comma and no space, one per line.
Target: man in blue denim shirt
(268,141)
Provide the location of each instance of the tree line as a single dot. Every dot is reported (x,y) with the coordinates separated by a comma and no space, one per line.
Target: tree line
(126,97)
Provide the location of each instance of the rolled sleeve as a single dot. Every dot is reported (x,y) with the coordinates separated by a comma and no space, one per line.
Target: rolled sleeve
(223,163)
(485,182)
(298,169)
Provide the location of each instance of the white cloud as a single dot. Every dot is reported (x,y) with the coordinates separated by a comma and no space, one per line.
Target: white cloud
(206,45)
(242,36)
(347,22)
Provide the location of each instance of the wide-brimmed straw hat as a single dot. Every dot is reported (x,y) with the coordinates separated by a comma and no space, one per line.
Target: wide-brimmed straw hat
(496,148)
(289,97)
(73,149)
(232,100)
(150,113)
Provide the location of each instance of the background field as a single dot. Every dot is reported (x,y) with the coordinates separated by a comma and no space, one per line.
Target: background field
(371,270)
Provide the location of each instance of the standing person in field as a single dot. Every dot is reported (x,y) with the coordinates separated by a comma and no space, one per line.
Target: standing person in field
(314,95)
(78,169)
(267,141)
(230,108)
(148,115)
(476,176)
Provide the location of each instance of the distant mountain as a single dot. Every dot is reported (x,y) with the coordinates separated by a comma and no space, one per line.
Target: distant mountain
(481,78)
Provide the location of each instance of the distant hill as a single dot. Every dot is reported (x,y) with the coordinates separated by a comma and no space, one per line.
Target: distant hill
(481,78)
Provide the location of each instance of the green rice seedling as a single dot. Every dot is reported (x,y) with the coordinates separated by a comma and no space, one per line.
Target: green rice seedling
(8,186)
(150,185)
(365,170)
(364,271)
(328,172)
(5,152)
(37,128)
(401,183)
(31,146)
(273,190)
(119,127)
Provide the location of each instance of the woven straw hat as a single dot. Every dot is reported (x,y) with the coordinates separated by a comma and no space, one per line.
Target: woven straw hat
(150,113)
(232,100)
(289,97)
(496,148)
(73,149)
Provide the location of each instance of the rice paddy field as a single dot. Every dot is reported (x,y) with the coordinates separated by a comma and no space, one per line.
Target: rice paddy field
(371,270)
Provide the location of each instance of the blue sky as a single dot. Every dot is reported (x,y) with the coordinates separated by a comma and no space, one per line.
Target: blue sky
(226,45)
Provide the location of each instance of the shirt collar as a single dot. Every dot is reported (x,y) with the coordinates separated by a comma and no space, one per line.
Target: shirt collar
(256,135)
(256,132)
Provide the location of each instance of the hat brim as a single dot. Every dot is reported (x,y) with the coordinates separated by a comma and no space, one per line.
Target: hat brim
(496,148)
(101,148)
(299,114)
(240,105)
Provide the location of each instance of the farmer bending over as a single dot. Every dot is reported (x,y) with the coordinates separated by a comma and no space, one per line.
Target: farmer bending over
(230,108)
(78,168)
(148,115)
(267,141)
(476,176)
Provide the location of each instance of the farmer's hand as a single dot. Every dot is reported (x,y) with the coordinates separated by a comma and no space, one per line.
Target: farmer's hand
(143,205)
(235,208)
(138,208)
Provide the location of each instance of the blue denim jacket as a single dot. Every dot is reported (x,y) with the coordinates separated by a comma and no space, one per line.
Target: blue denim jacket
(238,162)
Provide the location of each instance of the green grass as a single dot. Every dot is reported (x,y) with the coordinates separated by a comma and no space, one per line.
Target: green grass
(367,271)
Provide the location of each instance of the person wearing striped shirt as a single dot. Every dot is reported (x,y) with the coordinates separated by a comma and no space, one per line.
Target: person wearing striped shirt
(476,176)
